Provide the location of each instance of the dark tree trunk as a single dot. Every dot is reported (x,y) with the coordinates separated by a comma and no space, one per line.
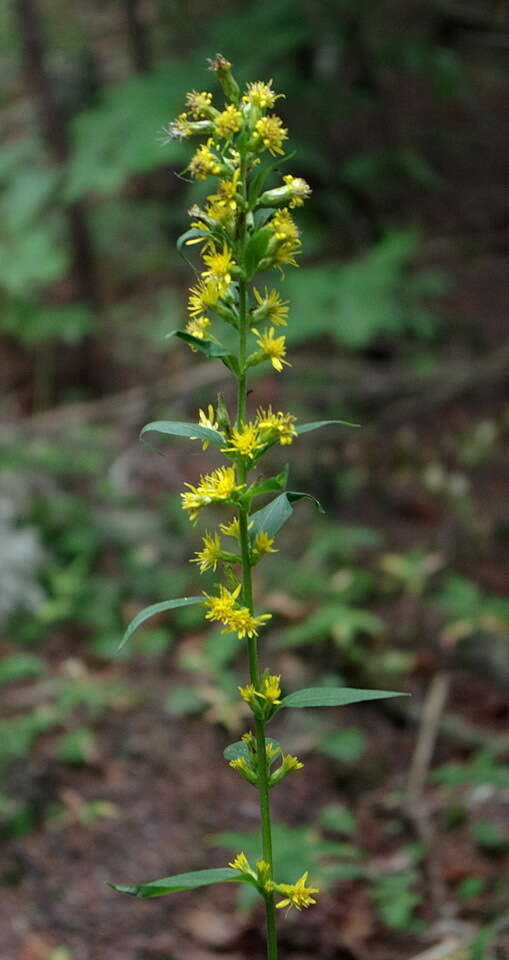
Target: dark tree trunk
(53,126)
(137,34)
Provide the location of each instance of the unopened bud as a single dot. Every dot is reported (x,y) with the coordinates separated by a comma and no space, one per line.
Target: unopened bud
(223,68)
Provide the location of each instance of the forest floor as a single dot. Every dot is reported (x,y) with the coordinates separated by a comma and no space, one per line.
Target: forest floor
(157,784)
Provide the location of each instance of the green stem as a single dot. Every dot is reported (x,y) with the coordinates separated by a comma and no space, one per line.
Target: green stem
(263,790)
(247,595)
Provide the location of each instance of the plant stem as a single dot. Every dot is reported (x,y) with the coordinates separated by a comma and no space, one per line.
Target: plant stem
(247,595)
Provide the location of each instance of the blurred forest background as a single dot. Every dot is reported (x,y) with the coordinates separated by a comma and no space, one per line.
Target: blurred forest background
(111,763)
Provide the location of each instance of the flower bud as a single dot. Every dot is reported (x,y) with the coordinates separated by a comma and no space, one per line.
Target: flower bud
(223,68)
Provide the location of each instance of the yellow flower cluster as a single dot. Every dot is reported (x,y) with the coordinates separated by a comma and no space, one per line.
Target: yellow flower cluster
(261,95)
(244,126)
(296,895)
(239,231)
(272,134)
(272,347)
(209,557)
(235,618)
(255,436)
(216,487)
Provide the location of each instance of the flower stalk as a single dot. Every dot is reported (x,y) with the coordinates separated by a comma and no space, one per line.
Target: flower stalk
(242,230)
(233,251)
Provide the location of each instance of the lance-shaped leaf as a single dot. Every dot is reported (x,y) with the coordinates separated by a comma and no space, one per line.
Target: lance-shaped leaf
(269,485)
(214,351)
(318,424)
(334,696)
(256,249)
(240,750)
(273,516)
(151,611)
(181,881)
(193,234)
(258,181)
(175,428)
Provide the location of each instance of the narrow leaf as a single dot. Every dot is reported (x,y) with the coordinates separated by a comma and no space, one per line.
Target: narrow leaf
(191,234)
(181,881)
(151,611)
(317,424)
(258,181)
(269,485)
(334,696)
(208,347)
(256,249)
(175,428)
(273,516)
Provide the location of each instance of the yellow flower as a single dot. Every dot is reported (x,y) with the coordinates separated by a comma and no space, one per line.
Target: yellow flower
(284,225)
(179,129)
(204,163)
(231,529)
(287,232)
(219,212)
(214,487)
(209,557)
(282,423)
(198,327)
(296,894)
(271,751)
(245,441)
(245,624)
(205,294)
(249,740)
(263,544)
(241,863)
(207,420)
(263,872)
(271,132)
(271,689)
(228,191)
(271,307)
(199,103)
(248,694)
(221,607)
(299,189)
(284,255)
(261,95)
(273,347)
(290,763)
(219,263)
(240,765)
(228,122)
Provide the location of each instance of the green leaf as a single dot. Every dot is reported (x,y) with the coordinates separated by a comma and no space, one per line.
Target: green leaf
(191,234)
(213,351)
(151,611)
(182,241)
(20,666)
(317,424)
(256,249)
(269,485)
(181,881)
(239,749)
(175,428)
(334,696)
(272,517)
(265,171)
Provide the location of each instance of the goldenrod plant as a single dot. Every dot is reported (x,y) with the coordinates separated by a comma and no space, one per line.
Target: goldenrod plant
(242,230)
